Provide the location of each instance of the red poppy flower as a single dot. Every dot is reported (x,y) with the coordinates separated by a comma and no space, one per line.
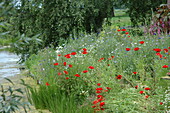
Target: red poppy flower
(70,65)
(84,52)
(141,42)
(98,91)
(165,50)
(147,88)
(157,49)
(108,64)
(168,47)
(98,84)
(66,72)
(56,64)
(112,56)
(64,63)
(127,49)
(119,77)
(47,84)
(123,29)
(96,101)
(141,92)
(108,88)
(77,75)
(67,77)
(99,96)
(93,106)
(165,66)
(118,30)
(136,49)
(146,96)
(128,36)
(135,72)
(102,103)
(73,53)
(59,55)
(99,88)
(126,33)
(59,73)
(105,90)
(136,87)
(91,67)
(164,57)
(161,103)
(159,54)
(85,71)
(100,59)
(84,49)
(67,56)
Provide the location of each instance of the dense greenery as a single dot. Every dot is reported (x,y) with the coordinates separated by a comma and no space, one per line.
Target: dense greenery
(140,11)
(39,24)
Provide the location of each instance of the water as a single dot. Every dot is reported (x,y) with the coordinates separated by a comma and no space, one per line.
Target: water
(8,64)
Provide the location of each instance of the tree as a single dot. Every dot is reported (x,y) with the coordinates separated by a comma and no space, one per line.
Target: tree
(53,20)
(140,11)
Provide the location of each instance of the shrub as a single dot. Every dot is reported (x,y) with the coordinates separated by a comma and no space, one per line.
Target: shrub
(10,100)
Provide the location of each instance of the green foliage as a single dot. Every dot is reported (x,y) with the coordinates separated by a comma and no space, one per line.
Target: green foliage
(57,20)
(11,99)
(25,46)
(141,11)
(54,99)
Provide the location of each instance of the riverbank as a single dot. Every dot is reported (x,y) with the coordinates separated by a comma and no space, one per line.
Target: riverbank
(17,80)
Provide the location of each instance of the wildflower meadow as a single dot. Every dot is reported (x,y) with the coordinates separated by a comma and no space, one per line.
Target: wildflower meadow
(114,72)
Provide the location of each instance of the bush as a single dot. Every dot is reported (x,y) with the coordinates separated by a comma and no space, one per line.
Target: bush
(160,23)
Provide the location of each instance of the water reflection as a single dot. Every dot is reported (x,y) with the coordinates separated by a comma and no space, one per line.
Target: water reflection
(8,64)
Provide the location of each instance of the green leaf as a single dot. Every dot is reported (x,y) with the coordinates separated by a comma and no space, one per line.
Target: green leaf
(9,80)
